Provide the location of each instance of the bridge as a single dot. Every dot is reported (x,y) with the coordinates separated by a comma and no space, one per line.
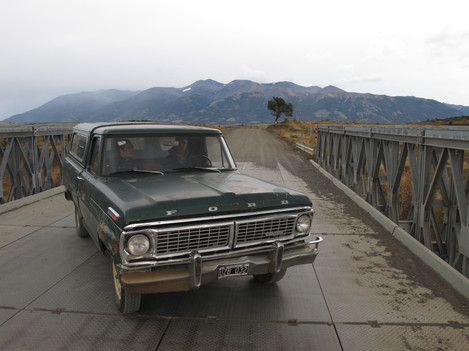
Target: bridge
(366,291)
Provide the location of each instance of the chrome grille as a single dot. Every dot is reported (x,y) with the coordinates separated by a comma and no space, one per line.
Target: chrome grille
(188,239)
(252,231)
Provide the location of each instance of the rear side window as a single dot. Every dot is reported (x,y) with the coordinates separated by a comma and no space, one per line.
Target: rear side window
(77,148)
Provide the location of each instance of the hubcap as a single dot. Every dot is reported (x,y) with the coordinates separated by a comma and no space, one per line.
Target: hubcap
(77,220)
(117,283)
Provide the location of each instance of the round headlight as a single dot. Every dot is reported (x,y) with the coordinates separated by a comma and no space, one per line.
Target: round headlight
(303,223)
(138,245)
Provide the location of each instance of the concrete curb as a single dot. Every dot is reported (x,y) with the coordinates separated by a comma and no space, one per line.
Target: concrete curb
(447,272)
(9,206)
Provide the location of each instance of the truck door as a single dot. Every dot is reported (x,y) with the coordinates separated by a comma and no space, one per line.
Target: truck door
(74,165)
(86,189)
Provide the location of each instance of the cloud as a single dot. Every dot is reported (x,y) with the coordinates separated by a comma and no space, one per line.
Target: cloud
(61,47)
(448,38)
(319,56)
(383,48)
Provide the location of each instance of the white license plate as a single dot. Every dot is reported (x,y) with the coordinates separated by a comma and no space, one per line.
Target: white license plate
(233,271)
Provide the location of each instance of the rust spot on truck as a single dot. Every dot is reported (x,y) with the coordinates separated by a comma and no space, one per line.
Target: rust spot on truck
(115,245)
(111,243)
(102,231)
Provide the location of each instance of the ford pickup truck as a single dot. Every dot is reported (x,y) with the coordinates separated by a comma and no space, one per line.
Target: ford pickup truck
(168,206)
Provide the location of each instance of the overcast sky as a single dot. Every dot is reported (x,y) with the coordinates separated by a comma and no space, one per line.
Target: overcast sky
(400,48)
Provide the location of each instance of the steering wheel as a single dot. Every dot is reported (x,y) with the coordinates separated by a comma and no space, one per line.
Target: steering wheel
(204,161)
(198,160)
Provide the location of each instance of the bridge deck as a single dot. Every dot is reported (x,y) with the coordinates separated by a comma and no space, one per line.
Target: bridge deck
(364,292)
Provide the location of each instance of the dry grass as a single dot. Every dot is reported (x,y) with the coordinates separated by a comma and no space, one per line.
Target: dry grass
(454,121)
(296,131)
(405,194)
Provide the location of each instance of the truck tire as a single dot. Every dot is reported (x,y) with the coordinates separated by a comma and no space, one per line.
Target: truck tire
(270,278)
(126,302)
(80,228)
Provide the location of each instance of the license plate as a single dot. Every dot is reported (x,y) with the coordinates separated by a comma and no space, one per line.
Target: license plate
(233,271)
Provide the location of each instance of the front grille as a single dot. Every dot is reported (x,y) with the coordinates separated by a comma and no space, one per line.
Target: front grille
(189,239)
(178,238)
(248,232)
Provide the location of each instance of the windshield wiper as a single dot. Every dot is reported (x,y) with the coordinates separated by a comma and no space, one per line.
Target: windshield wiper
(212,169)
(137,171)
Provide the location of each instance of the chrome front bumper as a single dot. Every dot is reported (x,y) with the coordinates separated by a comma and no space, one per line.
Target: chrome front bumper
(197,270)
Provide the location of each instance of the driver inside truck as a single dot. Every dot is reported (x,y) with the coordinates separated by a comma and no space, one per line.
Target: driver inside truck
(126,161)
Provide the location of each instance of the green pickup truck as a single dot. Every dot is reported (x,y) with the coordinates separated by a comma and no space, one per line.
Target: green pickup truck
(167,204)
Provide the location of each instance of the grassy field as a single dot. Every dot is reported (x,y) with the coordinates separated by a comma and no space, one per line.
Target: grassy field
(295,131)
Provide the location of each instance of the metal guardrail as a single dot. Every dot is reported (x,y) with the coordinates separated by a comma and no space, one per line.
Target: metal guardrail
(417,176)
(305,148)
(29,156)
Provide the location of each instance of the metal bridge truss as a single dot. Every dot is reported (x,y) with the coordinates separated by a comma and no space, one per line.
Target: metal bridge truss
(28,157)
(417,176)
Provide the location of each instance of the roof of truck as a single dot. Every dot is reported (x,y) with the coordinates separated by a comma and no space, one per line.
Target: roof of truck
(119,128)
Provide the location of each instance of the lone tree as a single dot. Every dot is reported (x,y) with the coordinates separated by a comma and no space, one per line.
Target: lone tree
(278,106)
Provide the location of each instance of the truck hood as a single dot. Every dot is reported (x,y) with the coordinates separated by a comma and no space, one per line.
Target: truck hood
(152,197)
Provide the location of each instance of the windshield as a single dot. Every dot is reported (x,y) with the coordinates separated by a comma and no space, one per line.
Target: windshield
(165,153)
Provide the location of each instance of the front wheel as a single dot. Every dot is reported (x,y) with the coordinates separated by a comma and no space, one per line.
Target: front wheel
(270,278)
(126,302)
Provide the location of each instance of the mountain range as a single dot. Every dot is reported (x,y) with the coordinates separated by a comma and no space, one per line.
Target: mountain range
(209,102)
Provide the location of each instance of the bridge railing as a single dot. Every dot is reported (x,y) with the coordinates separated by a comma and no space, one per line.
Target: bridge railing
(417,176)
(31,158)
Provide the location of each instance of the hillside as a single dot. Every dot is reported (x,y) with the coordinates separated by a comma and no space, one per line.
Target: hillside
(72,107)
(239,102)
